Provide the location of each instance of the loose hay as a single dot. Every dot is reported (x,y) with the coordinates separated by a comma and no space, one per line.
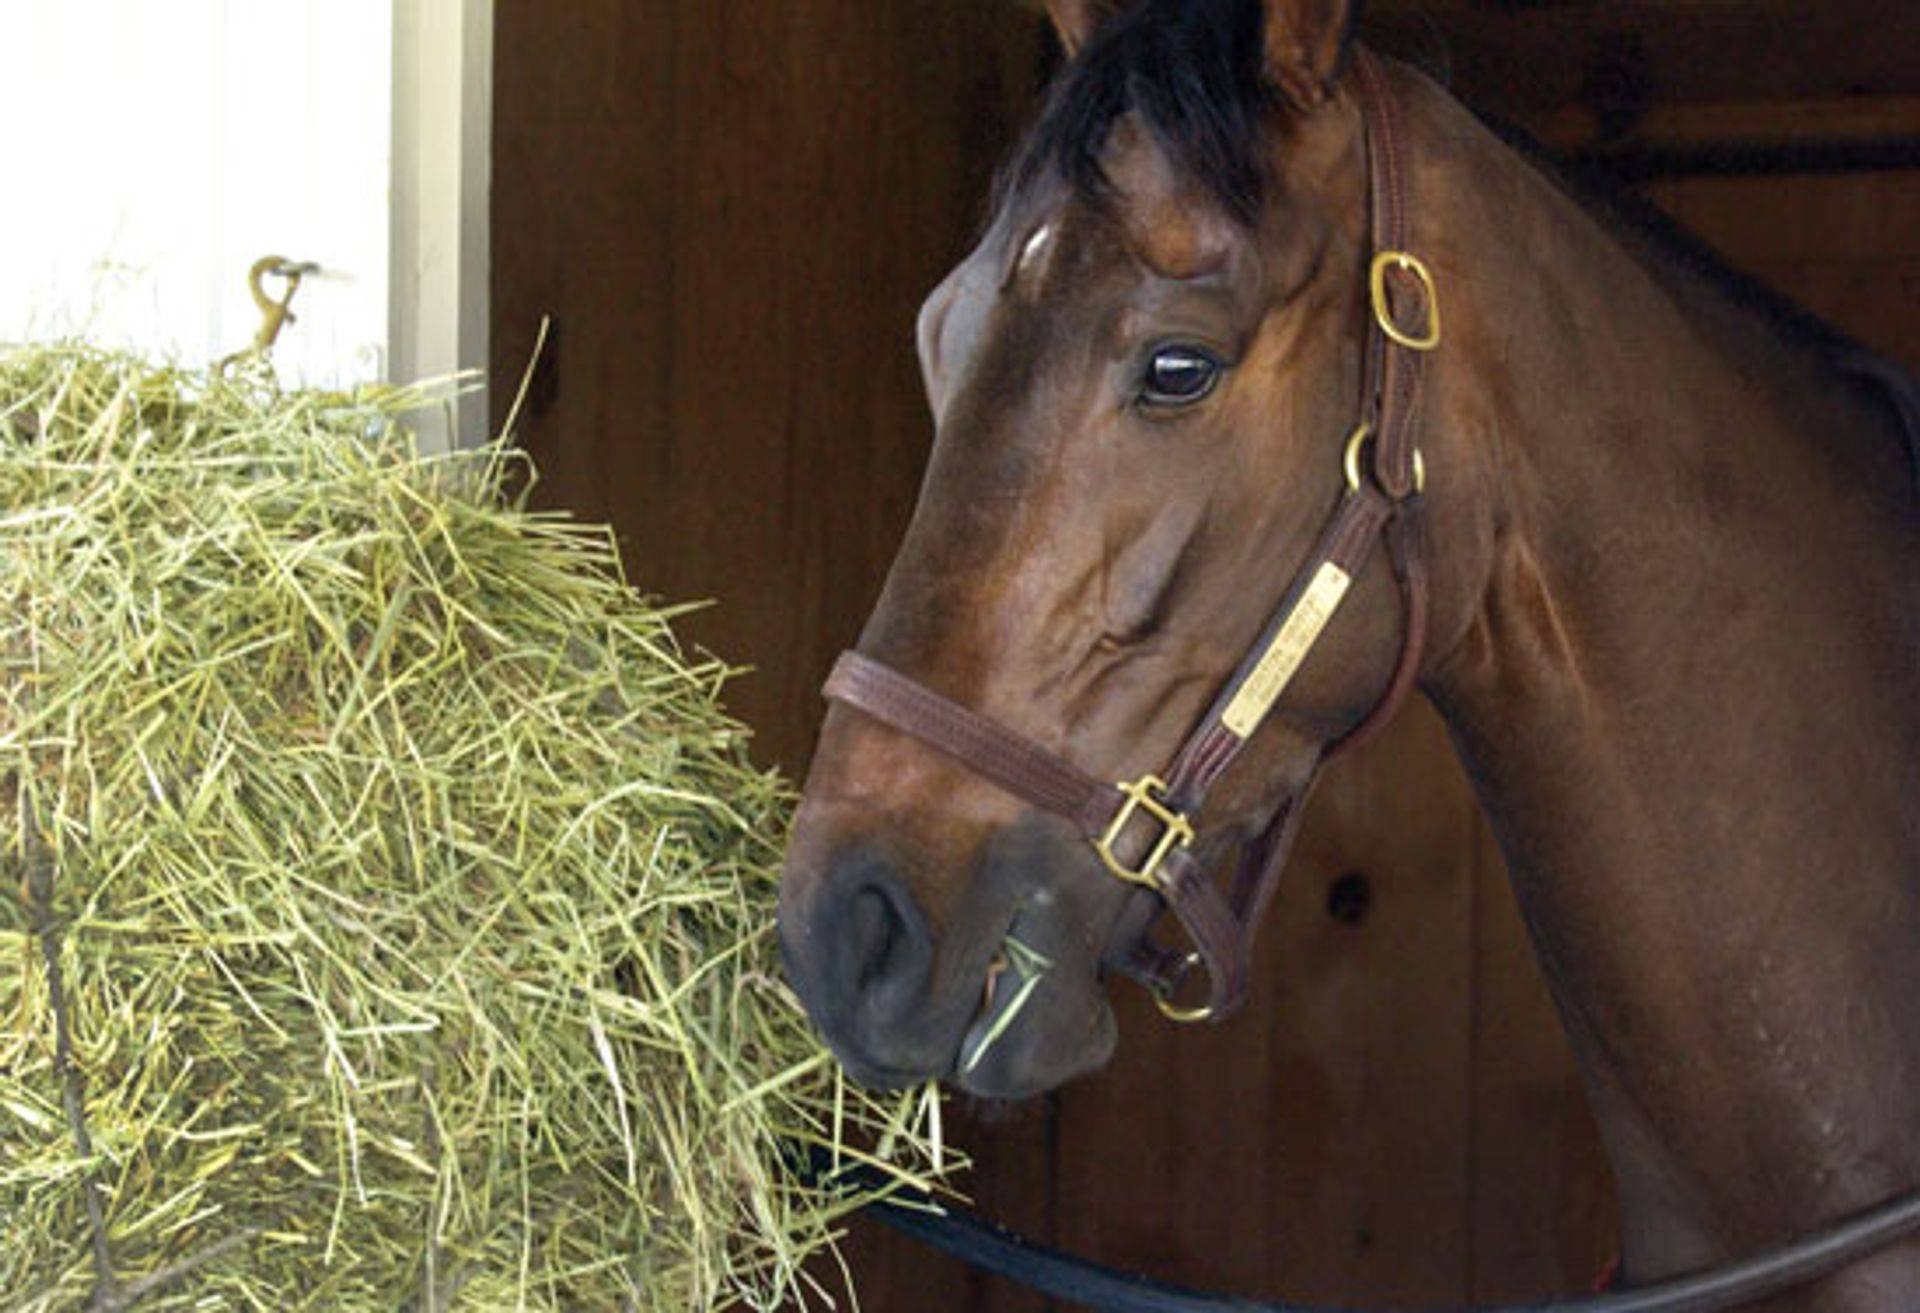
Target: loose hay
(388,912)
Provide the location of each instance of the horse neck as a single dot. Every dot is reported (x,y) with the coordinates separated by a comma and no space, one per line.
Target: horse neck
(1680,566)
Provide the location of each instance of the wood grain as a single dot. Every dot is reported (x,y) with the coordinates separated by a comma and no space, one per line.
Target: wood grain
(1847,247)
(1526,61)
(732,213)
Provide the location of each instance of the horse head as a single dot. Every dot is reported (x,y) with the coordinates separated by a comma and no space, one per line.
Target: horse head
(1141,380)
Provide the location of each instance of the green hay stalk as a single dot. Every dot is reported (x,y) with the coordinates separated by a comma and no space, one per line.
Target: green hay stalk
(1029,966)
(386,917)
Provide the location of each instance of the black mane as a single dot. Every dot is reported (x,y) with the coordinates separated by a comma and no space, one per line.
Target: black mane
(1190,69)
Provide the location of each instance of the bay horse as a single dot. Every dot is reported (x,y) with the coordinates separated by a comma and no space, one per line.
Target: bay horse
(1261,318)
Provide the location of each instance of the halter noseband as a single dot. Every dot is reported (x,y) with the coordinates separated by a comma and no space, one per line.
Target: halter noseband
(1144,830)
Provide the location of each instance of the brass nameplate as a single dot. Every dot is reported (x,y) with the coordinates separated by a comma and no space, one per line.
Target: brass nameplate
(1297,635)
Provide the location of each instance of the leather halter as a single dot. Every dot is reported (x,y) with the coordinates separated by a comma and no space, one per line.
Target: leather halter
(1144,830)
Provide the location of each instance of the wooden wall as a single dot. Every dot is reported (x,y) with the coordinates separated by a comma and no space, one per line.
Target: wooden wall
(1847,247)
(732,212)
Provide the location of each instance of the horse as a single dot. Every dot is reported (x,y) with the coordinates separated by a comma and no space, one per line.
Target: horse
(1646,543)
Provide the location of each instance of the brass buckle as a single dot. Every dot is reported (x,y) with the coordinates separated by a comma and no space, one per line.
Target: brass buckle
(1383,314)
(1144,795)
(1163,996)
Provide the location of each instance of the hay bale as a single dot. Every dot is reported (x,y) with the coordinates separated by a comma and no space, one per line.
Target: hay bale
(388,903)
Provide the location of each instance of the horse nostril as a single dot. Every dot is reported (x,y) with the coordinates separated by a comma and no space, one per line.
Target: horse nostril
(858,946)
(887,940)
(874,927)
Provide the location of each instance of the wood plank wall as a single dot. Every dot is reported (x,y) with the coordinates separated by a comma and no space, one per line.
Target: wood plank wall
(732,211)
(1846,247)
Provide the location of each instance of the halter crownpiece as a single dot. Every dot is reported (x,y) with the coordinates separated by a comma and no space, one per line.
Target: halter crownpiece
(1144,830)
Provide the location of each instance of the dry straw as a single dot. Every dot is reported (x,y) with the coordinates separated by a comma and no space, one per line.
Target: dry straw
(386,918)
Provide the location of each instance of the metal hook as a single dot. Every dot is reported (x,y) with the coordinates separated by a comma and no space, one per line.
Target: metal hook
(275,312)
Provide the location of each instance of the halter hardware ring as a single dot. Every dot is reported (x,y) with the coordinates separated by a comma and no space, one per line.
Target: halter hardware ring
(1383,313)
(1162,993)
(1145,794)
(1350,462)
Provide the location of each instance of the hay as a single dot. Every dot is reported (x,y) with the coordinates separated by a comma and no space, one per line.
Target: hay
(388,900)
(1029,966)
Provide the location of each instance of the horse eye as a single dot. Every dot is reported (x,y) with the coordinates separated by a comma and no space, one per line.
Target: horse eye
(1178,376)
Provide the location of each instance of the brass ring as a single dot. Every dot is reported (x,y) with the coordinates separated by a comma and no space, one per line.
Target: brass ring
(1163,996)
(1350,462)
(1383,313)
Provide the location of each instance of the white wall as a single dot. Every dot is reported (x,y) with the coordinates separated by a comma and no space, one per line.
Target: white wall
(156,148)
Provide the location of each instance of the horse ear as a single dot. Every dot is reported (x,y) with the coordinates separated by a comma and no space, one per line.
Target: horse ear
(1305,40)
(1077,20)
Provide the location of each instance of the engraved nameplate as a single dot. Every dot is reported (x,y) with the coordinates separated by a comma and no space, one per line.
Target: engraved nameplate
(1298,633)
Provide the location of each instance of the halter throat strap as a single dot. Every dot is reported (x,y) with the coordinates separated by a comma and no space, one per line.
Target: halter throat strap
(1145,830)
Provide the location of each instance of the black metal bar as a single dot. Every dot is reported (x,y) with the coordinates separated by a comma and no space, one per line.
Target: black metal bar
(1734,159)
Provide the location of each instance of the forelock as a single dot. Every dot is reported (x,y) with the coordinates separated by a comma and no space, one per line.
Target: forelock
(1190,70)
